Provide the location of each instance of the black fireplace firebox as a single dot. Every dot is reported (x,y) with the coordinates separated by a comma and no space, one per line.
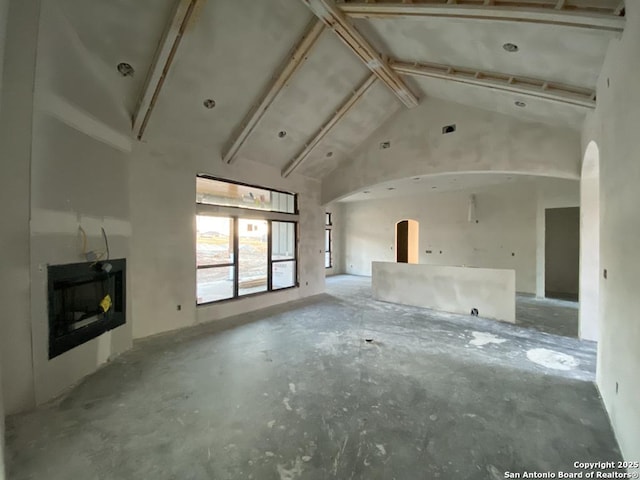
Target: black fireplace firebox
(85,300)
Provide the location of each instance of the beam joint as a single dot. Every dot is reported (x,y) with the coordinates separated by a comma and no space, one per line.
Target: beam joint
(332,16)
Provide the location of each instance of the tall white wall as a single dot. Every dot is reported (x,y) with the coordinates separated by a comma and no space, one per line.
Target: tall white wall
(614,128)
(15,138)
(4,10)
(163,193)
(590,244)
(507,223)
(483,142)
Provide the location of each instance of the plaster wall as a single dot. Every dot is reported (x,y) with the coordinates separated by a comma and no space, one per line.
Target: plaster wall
(506,225)
(590,244)
(79,177)
(449,289)
(484,141)
(15,139)
(4,10)
(67,167)
(614,128)
(162,184)
(562,243)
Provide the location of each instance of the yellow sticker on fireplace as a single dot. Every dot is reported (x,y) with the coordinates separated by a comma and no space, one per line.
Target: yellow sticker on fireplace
(105,303)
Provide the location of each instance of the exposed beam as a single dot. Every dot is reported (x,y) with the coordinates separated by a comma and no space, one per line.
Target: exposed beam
(531,87)
(294,60)
(330,14)
(619,9)
(162,63)
(342,111)
(523,12)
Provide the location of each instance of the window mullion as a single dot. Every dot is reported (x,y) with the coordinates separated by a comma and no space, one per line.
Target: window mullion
(236,258)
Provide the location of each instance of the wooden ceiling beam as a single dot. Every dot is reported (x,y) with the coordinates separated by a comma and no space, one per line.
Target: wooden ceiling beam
(294,60)
(330,14)
(576,96)
(342,111)
(578,17)
(161,65)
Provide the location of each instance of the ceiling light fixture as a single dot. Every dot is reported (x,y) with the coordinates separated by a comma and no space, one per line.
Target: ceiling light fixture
(366,191)
(282,134)
(511,47)
(416,178)
(391,188)
(125,69)
(385,145)
(209,103)
(520,104)
(329,154)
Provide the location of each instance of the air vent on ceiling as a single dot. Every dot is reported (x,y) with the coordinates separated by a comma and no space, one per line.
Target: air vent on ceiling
(448,129)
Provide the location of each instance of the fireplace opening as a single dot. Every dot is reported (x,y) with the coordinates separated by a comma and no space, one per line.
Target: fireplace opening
(84,302)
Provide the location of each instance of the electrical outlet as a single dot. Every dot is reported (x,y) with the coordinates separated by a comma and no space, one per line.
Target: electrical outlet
(604,273)
(616,388)
(178,307)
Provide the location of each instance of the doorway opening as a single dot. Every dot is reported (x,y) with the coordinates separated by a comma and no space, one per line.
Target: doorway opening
(562,257)
(407,233)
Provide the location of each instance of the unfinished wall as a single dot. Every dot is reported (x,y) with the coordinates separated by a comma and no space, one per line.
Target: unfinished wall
(4,9)
(506,225)
(483,141)
(590,244)
(614,128)
(67,143)
(15,139)
(562,252)
(163,183)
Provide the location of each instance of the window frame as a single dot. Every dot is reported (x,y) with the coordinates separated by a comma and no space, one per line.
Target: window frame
(328,227)
(237,214)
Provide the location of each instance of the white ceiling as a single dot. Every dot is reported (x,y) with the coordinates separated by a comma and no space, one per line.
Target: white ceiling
(232,48)
(448,183)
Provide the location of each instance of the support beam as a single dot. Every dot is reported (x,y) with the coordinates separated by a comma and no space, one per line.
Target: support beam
(294,60)
(619,9)
(330,14)
(531,87)
(603,19)
(162,63)
(342,111)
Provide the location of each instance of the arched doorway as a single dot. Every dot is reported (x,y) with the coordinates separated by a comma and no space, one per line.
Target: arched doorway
(407,241)
(590,244)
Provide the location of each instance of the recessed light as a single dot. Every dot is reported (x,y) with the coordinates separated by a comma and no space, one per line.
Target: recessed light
(125,69)
(282,134)
(448,129)
(391,188)
(385,145)
(329,154)
(416,178)
(366,191)
(209,103)
(434,187)
(520,104)
(511,47)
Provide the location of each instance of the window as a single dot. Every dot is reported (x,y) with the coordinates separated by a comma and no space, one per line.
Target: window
(217,192)
(241,251)
(327,241)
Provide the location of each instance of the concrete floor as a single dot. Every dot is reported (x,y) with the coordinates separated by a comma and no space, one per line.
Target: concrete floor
(296,392)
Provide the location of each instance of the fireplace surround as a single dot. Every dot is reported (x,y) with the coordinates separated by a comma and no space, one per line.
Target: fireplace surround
(84,301)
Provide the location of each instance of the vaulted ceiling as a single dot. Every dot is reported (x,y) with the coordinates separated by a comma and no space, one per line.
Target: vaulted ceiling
(300,84)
